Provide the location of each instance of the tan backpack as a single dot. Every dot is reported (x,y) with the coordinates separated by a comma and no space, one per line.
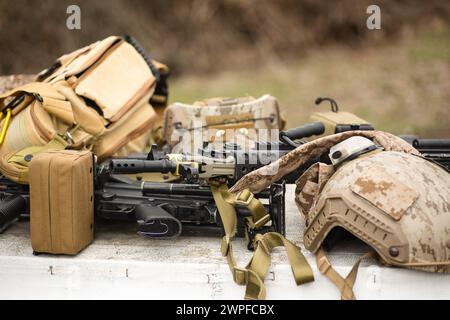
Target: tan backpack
(97,97)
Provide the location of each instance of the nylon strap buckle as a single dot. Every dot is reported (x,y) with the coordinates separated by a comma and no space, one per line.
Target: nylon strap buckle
(262,222)
(244,198)
(68,137)
(240,275)
(250,234)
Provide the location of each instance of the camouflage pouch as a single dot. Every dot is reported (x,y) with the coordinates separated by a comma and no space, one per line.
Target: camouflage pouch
(220,119)
(310,184)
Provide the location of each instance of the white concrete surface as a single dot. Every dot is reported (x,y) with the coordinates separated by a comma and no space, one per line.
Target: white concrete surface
(122,265)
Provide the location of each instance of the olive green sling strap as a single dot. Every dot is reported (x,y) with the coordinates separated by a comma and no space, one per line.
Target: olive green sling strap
(253,275)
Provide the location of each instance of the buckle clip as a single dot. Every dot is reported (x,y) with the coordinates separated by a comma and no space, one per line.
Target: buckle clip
(261,222)
(69,137)
(244,198)
(250,234)
(240,275)
(38,97)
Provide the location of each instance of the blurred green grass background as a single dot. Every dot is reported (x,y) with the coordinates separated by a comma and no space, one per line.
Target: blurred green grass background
(398,77)
(402,87)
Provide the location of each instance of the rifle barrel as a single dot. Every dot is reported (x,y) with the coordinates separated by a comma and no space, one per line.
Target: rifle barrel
(431,143)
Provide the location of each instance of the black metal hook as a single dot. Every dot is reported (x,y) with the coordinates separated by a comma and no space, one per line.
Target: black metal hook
(334,106)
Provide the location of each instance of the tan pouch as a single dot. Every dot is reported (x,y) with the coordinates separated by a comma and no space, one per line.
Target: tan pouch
(117,81)
(61,201)
(130,134)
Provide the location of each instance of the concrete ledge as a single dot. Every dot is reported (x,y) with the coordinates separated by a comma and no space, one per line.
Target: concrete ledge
(122,265)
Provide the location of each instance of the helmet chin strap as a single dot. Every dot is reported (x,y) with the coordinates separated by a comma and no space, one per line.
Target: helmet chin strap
(345,285)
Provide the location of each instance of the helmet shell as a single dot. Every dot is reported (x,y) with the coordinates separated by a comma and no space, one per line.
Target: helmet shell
(397,203)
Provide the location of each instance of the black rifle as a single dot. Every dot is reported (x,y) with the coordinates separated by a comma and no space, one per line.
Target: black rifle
(437,150)
(164,210)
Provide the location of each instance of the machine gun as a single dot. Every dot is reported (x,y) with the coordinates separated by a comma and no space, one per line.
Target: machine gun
(164,210)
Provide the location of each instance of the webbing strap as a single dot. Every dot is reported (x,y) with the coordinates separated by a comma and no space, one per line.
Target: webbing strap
(260,262)
(259,216)
(41,88)
(252,276)
(345,285)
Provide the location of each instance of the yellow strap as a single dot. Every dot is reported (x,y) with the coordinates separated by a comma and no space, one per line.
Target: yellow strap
(252,276)
(5,125)
(345,286)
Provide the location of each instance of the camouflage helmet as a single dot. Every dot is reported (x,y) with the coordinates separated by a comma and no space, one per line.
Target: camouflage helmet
(396,202)
(389,197)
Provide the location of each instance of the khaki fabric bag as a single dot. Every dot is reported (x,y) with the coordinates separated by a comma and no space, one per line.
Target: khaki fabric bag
(61,203)
(214,118)
(96,97)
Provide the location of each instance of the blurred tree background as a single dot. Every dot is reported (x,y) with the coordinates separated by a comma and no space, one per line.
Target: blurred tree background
(397,77)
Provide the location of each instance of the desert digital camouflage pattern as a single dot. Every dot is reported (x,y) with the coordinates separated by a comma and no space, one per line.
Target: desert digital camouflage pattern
(310,184)
(391,198)
(260,179)
(397,203)
(220,119)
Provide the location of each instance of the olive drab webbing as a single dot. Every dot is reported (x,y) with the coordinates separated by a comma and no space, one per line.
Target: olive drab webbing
(253,275)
